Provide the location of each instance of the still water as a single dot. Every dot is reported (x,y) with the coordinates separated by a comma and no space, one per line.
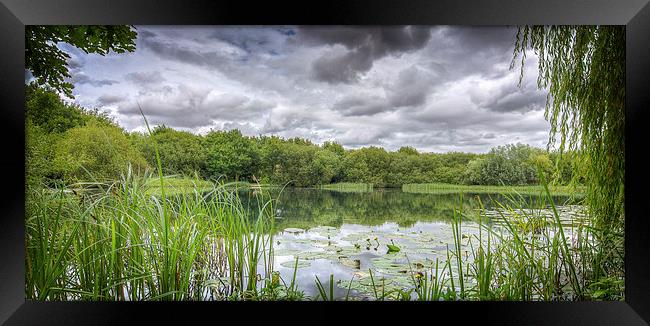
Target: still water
(348,234)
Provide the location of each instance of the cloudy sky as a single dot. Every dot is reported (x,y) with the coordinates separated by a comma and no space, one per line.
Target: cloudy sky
(437,88)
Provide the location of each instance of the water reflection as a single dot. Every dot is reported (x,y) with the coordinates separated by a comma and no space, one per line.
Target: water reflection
(346,234)
(306,208)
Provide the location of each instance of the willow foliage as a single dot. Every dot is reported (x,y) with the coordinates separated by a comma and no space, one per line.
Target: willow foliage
(583,68)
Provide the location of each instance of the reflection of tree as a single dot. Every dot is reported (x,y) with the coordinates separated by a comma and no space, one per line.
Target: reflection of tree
(305,208)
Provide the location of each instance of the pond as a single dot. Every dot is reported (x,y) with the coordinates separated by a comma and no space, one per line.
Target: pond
(348,234)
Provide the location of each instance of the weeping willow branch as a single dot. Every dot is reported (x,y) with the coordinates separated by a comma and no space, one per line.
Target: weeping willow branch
(583,68)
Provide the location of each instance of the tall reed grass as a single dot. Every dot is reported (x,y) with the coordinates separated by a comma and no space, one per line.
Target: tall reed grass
(121,241)
(348,187)
(523,255)
(122,244)
(443,188)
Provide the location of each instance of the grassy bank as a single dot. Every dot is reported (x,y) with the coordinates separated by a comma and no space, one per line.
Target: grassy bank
(177,185)
(443,188)
(182,185)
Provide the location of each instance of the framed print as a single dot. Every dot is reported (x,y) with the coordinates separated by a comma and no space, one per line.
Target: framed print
(479,161)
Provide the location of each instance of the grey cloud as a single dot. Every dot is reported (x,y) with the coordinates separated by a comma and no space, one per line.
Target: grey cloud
(518,101)
(381,40)
(459,51)
(108,99)
(74,63)
(362,86)
(229,106)
(252,39)
(364,45)
(412,87)
(191,107)
(175,52)
(81,78)
(245,128)
(276,124)
(360,105)
(342,68)
(508,97)
(155,89)
(496,39)
(363,137)
(144,78)
(145,33)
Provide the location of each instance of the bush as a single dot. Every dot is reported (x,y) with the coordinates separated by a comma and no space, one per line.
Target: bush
(95,152)
(181,152)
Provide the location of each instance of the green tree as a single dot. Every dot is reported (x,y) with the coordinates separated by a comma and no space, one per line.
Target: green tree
(38,155)
(181,152)
(405,167)
(368,165)
(408,150)
(474,173)
(270,151)
(44,108)
(325,166)
(94,152)
(48,63)
(334,147)
(509,165)
(231,154)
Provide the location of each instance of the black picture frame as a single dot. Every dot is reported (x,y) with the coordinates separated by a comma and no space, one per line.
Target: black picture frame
(15,14)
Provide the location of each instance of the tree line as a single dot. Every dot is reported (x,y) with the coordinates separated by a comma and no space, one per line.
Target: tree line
(67,143)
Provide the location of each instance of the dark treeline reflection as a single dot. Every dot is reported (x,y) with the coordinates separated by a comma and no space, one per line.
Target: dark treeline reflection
(305,208)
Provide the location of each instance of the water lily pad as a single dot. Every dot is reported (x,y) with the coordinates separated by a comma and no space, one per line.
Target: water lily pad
(356,237)
(292,264)
(324,230)
(352,263)
(322,243)
(294,230)
(311,255)
(286,252)
(422,250)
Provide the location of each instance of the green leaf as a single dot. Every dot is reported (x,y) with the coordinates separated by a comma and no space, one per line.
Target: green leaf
(392,248)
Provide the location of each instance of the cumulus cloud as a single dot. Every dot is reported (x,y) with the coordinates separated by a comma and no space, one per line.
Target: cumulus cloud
(189,107)
(81,78)
(437,88)
(144,78)
(108,99)
(358,104)
(412,87)
(362,46)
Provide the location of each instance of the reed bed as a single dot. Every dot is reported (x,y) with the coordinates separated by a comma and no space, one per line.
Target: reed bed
(349,187)
(119,243)
(530,256)
(443,188)
(123,241)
